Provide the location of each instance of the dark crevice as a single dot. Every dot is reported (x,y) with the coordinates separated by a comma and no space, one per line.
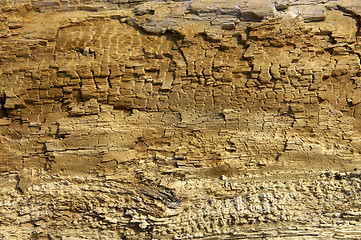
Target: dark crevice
(56,44)
(183,56)
(93,78)
(108,79)
(332,39)
(80,97)
(3,112)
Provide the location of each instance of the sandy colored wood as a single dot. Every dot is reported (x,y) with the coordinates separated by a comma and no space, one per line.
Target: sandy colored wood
(180,120)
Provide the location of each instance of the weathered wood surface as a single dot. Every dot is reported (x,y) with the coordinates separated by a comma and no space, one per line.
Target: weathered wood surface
(180,119)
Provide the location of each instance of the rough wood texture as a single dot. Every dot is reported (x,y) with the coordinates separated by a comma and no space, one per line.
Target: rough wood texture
(125,119)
